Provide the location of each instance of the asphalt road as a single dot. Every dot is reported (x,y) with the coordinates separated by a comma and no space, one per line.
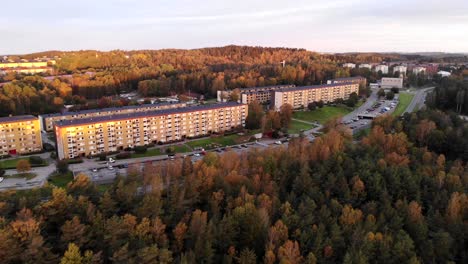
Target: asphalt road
(419,100)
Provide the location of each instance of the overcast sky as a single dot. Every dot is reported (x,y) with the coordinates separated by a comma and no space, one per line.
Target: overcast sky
(318,25)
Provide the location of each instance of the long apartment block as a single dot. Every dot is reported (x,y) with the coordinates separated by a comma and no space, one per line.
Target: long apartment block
(300,97)
(248,95)
(47,121)
(356,79)
(19,135)
(91,136)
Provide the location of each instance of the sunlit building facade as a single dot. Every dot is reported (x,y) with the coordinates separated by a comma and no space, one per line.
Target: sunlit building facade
(300,97)
(47,121)
(20,135)
(92,136)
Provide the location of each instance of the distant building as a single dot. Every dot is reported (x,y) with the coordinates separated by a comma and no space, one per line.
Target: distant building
(431,68)
(349,65)
(387,83)
(419,69)
(365,65)
(28,67)
(444,73)
(401,69)
(382,68)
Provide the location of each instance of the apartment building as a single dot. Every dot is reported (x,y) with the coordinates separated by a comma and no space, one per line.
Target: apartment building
(382,68)
(401,69)
(388,83)
(356,79)
(248,95)
(47,121)
(349,65)
(365,65)
(91,136)
(419,69)
(19,135)
(301,96)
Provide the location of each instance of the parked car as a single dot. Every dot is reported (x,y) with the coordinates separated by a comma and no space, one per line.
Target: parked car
(278,142)
(110,167)
(111,160)
(1,179)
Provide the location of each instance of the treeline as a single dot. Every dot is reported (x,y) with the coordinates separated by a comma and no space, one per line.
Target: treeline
(450,94)
(387,199)
(33,95)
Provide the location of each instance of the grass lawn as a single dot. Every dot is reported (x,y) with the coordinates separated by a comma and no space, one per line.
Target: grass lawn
(296,126)
(181,149)
(148,153)
(322,115)
(404,100)
(103,187)
(27,176)
(222,141)
(11,164)
(61,180)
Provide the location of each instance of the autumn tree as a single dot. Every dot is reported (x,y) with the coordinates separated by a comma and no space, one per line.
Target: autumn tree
(253,120)
(23,166)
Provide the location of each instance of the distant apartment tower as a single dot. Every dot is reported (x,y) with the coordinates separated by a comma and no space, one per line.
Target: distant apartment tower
(419,69)
(47,121)
(401,69)
(365,65)
(388,83)
(92,136)
(382,68)
(299,97)
(248,95)
(349,65)
(20,135)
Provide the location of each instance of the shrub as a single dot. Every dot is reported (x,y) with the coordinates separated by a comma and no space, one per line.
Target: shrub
(75,161)
(53,155)
(48,147)
(320,104)
(140,149)
(36,160)
(170,150)
(123,155)
(395,90)
(312,106)
(102,157)
(390,96)
(62,166)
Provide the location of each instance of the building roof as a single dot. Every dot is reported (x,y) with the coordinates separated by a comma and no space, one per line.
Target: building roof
(82,112)
(100,119)
(13,119)
(267,87)
(348,78)
(321,86)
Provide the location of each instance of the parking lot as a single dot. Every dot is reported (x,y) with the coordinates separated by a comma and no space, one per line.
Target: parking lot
(364,119)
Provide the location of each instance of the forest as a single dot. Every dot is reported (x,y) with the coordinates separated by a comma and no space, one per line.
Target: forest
(450,94)
(94,74)
(392,197)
